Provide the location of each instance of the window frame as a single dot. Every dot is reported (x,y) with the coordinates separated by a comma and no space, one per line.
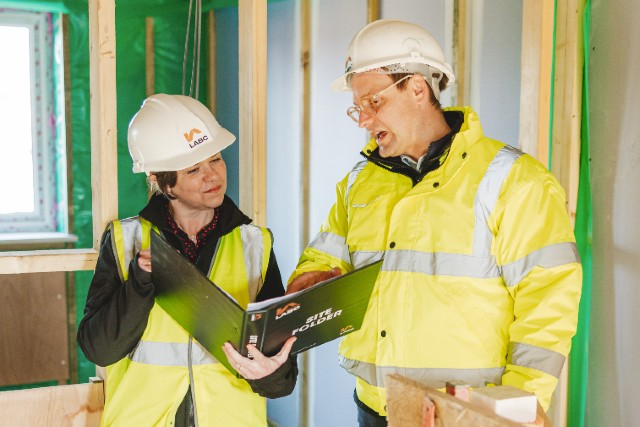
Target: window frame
(104,186)
(49,187)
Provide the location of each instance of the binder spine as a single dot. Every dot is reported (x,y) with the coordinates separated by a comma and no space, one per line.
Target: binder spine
(253,331)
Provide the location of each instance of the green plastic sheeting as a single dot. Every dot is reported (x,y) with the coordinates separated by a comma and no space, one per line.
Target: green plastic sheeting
(170,18)
(579,357)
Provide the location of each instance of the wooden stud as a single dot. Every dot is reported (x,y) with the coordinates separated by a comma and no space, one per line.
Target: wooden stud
(252,28)
(104,161)
(150,66)
(373,10)
(305,209)
(459,48)
(535,82)
(569,61)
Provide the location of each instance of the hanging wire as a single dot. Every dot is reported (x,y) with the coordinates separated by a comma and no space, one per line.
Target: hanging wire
(194,81)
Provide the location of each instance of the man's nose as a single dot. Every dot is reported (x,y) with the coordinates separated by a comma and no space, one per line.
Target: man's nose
(364,120)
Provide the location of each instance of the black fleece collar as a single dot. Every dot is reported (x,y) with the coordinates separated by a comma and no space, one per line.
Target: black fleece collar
(230,216)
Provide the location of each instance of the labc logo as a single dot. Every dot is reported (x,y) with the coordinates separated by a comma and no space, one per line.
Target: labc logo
(189,135)
(288,308)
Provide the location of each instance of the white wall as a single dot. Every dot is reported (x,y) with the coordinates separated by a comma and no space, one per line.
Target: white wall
(614,352)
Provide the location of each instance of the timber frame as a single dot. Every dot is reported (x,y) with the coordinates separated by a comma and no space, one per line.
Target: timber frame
(535,118)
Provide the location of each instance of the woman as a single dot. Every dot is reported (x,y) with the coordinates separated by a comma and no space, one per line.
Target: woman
(156,373)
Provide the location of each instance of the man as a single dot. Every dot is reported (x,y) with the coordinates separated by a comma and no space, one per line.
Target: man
(481,279)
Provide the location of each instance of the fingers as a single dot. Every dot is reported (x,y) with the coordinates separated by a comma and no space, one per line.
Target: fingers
(310,278)
(285,350)
(144,260)
(335,271)
(260,366)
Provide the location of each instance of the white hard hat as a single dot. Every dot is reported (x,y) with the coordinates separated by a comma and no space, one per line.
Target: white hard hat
(173,132)
(402,46)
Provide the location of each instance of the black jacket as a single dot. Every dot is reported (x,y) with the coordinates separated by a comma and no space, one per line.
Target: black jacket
(116,314)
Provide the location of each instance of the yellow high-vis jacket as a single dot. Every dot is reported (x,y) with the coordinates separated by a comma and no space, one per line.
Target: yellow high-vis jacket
(481,278)
(167,360)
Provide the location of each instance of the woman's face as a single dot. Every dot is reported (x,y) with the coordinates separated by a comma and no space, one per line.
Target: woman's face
(201,186)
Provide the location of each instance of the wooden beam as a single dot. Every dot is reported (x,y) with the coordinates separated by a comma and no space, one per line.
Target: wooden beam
(567,99)
(305,190)
(373,10)
(535,82)
(252,28)
(47,260)
(68,405)
(459,49)
(104,162)
(150,61)
(406,397)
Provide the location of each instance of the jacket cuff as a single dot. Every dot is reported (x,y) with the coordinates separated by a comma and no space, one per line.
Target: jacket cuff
(280,383)
(141,282)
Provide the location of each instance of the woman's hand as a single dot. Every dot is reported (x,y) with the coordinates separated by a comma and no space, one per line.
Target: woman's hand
(144,260)
(260,366)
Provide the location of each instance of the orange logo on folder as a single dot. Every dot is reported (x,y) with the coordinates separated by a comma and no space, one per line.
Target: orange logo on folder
(289,306)
(346,329)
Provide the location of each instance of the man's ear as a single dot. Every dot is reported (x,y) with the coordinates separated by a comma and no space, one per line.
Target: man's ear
(420,89)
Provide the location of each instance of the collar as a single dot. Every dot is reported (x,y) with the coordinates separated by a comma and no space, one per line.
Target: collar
(229,218)
(435,156)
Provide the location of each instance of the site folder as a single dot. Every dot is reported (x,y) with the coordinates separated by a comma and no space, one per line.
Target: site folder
(316,315)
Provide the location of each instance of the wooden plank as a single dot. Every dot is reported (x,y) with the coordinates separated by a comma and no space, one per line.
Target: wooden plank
(544,86)
(47,260)
(373,10)
(36,350)
(104,161)
(305,191)
(150,56)
(78,405)
(535,80)
(405,399)
(565,162)
(71,327)
(459,49)
(252,28)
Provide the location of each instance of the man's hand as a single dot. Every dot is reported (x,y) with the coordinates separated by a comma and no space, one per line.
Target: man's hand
(144,260)
(310,278)
(260,366)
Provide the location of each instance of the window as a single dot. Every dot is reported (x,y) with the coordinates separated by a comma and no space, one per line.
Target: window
(33,155)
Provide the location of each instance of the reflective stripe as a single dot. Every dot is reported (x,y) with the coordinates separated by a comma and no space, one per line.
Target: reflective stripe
(441,264)
(487,195)
(547,257)
(128,238)
(253,250)
(534,357)
(353,175)
(432,377)
(170,354)
(332,244)
(362,258)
